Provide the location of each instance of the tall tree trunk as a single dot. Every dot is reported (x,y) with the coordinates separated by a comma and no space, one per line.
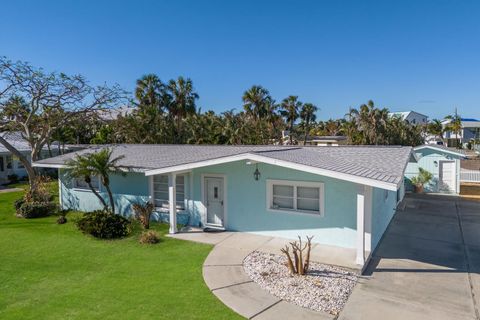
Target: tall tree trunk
(291,133)
(307,125)
(95,192)
(49,149)
(110,197)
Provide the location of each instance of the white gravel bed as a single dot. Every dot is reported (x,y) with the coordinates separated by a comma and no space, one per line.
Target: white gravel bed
(324,288)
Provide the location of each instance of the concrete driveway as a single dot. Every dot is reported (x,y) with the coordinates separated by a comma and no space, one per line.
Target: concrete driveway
(427,265)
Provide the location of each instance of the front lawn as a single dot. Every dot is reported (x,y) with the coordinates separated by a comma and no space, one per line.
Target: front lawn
(50,271)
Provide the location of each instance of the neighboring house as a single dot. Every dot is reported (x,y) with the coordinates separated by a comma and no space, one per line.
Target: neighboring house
(470,131)
(323,141)
(411,117)
(113,114)
(344,196)
(9,164)
(442,162)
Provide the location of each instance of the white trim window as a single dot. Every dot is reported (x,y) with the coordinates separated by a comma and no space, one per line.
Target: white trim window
(295,196)
(160,191)
(81,184)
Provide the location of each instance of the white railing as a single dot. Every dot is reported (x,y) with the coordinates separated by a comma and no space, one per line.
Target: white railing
(469,175)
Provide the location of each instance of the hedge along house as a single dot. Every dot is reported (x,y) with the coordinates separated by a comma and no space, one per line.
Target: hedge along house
(442,162)
(344,196)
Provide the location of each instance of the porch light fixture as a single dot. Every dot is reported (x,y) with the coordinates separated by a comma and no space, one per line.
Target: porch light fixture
(436,163)
(256,174)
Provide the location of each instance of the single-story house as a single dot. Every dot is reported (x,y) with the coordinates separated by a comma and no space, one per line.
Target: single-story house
(344,196)
(10,165)
(442,162)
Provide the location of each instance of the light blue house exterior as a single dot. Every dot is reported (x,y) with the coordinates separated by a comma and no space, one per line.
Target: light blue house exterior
(443,163)
(284,200)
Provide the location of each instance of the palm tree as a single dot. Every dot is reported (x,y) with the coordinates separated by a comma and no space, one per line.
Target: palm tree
(79,168)
(455,125)
(307,115)
(435,128)
(150,92)
(182,102)
(100,164)
(255,101)
(371,122)
(289,110)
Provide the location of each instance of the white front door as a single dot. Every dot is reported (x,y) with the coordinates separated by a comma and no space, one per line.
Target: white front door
(447,176)
(214,200)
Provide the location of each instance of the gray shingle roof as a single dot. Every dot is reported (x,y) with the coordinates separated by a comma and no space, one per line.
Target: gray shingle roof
(385,164)
(16,140)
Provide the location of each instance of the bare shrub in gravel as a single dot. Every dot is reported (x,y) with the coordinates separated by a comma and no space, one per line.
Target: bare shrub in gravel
(298,266)
(323,288)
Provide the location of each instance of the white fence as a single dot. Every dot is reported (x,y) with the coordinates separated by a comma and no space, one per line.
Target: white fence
(469,175)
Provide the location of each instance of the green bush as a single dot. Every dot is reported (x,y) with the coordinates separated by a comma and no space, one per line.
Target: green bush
(104,225)
(61,219)
(36,209)
(18,203)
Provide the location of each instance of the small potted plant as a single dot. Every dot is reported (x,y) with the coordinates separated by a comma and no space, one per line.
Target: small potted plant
(423,178)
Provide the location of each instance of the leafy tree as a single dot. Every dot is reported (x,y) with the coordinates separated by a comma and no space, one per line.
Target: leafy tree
(36,103)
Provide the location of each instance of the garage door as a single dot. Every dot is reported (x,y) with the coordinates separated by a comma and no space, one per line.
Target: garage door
(447,176)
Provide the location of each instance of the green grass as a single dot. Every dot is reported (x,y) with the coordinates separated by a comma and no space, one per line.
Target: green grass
(50,271)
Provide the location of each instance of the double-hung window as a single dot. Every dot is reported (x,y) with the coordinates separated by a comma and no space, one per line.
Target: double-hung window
(80,183)
(295,196)
(160,191)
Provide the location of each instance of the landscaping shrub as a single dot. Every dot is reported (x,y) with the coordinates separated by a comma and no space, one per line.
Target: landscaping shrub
(62,218)
(149,237)
(104,225)
(31,210)
(143,213)
(18,203)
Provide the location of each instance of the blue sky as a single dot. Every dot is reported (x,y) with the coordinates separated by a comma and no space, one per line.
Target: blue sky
(421,55)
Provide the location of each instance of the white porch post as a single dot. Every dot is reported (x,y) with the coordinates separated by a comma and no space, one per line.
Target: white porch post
(368,218)
(364,222)
(172,202)
(360,227)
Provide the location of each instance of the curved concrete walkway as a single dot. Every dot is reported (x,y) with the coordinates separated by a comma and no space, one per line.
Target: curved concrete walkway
(224,275)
